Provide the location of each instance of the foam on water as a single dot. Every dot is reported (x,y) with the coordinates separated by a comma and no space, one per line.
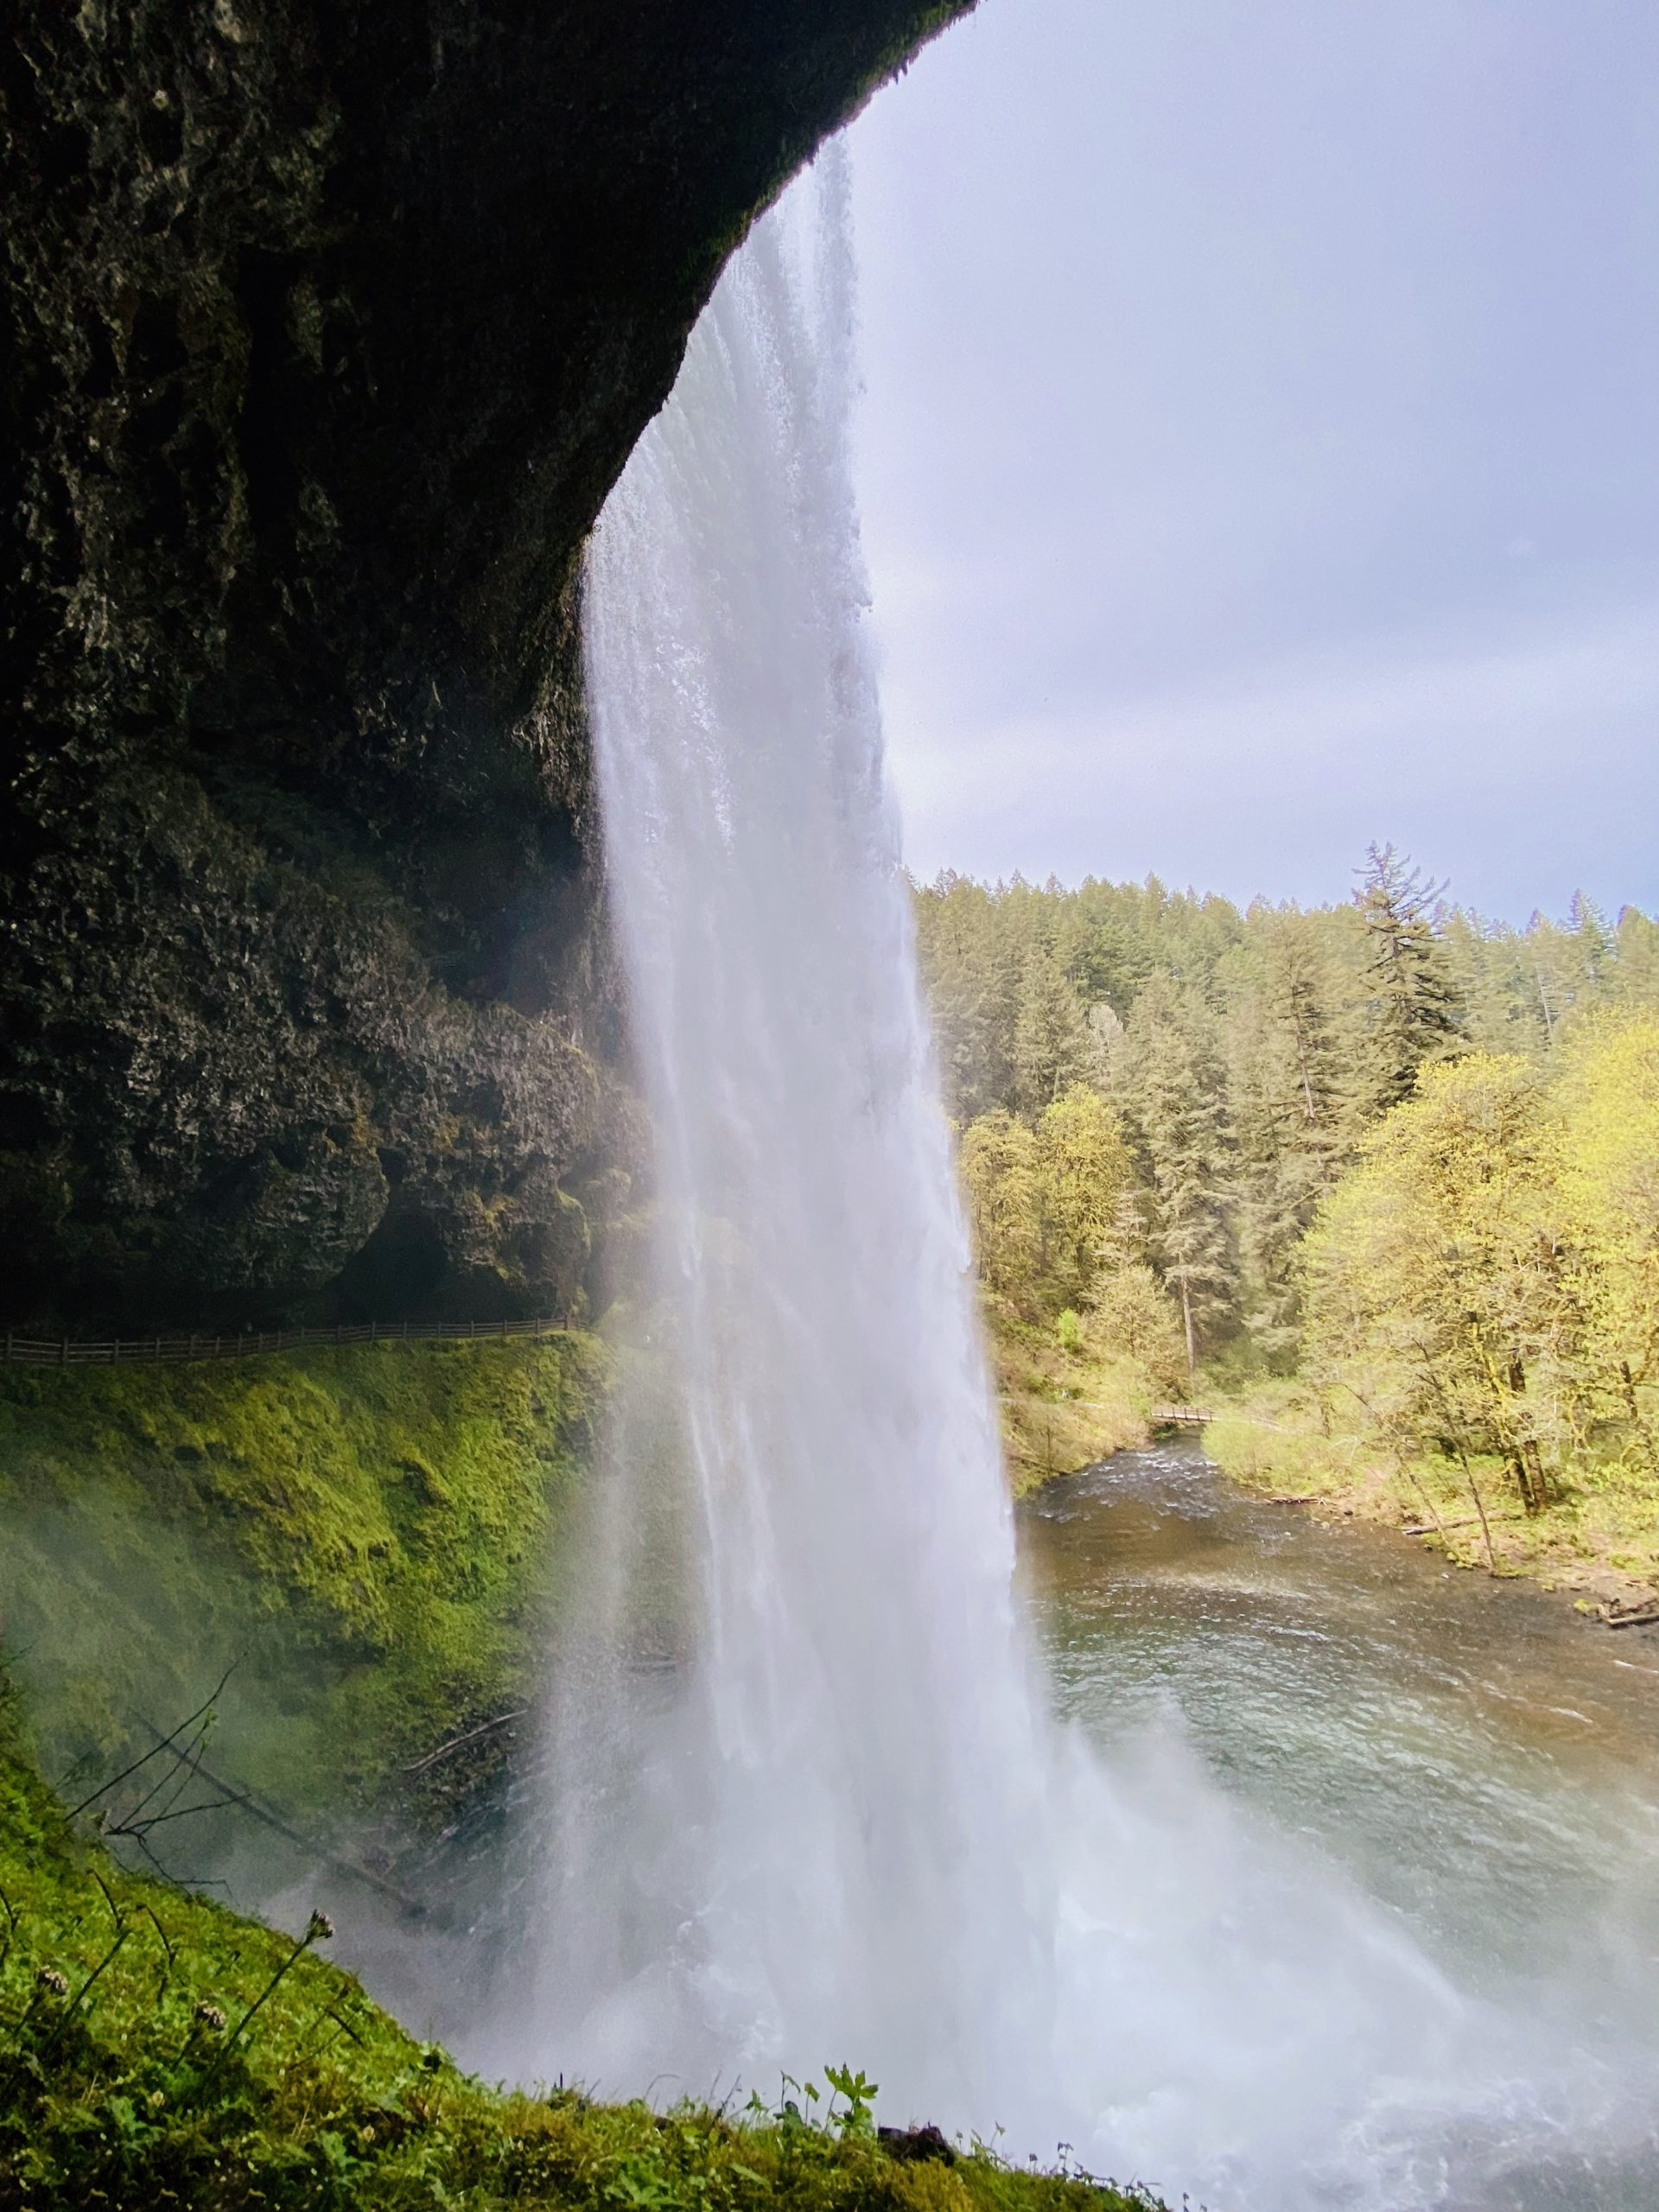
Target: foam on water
(807,1802)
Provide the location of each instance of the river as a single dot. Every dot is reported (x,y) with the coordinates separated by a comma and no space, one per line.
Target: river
(1479,1760)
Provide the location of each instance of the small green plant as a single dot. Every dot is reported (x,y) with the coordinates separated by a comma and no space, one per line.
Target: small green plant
(155,2047)
(1069,1331)
(857,2115)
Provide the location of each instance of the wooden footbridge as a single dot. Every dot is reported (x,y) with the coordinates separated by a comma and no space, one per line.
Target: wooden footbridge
(1179,1416)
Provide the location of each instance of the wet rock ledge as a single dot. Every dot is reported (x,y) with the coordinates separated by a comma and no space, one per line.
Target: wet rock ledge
(327,325)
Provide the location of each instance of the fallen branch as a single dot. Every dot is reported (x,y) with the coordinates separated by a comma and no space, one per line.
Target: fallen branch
(455,1743)
(1468,1521)
(321,1853)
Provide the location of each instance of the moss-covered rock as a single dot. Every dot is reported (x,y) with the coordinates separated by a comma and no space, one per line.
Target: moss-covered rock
(325,327)
(369,1538)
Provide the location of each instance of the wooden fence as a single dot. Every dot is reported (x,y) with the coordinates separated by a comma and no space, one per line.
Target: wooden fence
(71,1351)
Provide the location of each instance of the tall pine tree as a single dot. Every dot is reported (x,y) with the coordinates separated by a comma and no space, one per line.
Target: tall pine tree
(1285,1089)
(1414,1013)
(1173,1100)
(1052,1049)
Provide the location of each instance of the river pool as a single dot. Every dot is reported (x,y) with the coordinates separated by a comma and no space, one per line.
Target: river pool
(1475,1757)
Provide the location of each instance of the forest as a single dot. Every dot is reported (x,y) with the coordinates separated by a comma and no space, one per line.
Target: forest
(1378,1182)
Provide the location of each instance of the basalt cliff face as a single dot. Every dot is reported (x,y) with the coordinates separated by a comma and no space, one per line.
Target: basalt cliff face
(328,326)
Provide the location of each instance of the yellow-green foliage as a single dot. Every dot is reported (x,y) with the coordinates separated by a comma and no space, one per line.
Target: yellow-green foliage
(998,1159)
(1045,1199)
(1132,1314)
(368,1533)
(1608,1185)
(1481,1295)
(126,2089)
(1084,1338)
(1434,1280)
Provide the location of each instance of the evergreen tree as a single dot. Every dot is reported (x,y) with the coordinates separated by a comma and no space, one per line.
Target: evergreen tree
(1415,1016)
(1052,1049)
(1285,1114)
(1568,964)
(971,971)
(1173,1093)
(1490,968)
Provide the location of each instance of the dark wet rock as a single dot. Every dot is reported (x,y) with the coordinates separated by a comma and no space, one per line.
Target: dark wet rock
(917,2143)
(327,325)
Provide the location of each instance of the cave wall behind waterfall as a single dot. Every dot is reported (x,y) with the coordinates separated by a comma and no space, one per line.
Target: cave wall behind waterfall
(328,326)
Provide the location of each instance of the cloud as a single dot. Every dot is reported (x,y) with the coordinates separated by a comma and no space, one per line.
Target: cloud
(1491,762)
(1259,440)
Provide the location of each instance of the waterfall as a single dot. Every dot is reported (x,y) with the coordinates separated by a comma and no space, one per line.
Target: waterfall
(806,1801)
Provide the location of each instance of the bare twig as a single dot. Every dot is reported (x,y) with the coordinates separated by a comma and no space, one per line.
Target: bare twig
(173,1780)
(136,1828)
(312,1849)
(165,1744)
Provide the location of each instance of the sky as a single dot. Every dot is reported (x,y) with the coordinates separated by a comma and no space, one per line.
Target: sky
(1259,453)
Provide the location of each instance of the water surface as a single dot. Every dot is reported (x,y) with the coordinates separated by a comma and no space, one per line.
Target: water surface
(1477,1757)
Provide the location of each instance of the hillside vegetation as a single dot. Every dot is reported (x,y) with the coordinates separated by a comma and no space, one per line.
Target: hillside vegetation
(156,2050)
(365,1539)
(1380,1178)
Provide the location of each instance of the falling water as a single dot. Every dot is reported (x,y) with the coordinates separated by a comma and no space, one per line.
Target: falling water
(807,1802)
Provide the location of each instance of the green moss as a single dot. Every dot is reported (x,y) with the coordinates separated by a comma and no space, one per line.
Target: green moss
(116,2092)
(368,1536)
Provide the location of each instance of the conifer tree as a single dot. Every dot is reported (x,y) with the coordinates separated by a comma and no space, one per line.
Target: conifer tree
(1634,979)
(1052,1049)
(1173,1092)
(1284,1112)
(1415,1016)
(1491,968)
(970,970)
(1567,966)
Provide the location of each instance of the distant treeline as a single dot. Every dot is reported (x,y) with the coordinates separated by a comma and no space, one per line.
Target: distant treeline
(1412,1152)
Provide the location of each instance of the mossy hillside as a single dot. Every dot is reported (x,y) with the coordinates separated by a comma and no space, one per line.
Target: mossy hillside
(116,2091)
(369,1537)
